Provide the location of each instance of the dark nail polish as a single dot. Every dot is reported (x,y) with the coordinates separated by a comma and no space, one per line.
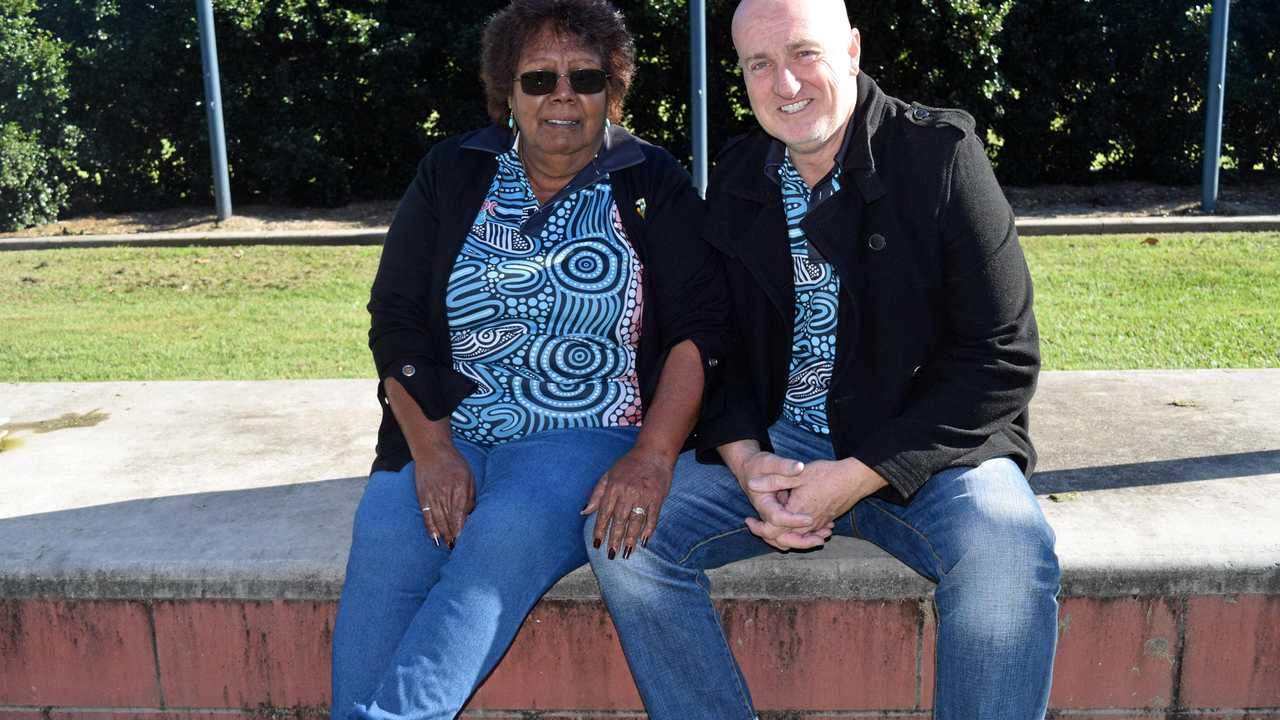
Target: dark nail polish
(627,553)
(596,544)
(612,552)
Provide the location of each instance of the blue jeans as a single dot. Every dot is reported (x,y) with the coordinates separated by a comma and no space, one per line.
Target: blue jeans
(420,626)
(976,532)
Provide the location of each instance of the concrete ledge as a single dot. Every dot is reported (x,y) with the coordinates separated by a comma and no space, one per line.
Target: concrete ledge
(192,239)
(1027,226)
(180,552)
(1159,482)
(1118,225)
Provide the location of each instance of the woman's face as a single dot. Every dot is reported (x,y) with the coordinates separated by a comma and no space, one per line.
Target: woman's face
(562,122)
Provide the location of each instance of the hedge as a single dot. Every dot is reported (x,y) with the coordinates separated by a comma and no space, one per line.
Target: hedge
(37,146)
(326,101)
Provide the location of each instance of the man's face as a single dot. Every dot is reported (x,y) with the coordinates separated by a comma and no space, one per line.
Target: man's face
(799,59)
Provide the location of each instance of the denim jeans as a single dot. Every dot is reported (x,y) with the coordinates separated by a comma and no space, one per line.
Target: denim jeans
(420,626)
(978,533)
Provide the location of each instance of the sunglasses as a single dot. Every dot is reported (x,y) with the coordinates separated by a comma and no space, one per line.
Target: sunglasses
(543,82)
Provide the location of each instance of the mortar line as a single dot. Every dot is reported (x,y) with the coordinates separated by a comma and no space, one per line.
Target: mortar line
(155,649)
(1180,644)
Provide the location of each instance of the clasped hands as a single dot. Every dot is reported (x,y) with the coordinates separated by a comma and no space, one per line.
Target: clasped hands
(798,503)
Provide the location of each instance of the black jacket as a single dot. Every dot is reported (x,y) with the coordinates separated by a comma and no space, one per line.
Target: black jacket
(937,351)
(684,293)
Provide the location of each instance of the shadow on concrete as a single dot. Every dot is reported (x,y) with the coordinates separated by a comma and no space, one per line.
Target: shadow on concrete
(280,541)
(1159,472)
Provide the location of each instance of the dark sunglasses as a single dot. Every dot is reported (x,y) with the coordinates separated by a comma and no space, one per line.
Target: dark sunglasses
(543,82)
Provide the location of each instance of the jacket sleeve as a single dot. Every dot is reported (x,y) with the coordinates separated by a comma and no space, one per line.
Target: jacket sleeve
(401,304)
(692,302)
(984,373)
(729,410)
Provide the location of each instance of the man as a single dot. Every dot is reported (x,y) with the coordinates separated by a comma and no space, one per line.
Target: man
(889,352)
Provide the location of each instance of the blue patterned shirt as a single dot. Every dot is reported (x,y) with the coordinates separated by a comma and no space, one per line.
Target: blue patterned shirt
(545,308)
(813,344)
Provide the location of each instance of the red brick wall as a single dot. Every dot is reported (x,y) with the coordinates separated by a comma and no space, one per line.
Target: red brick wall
(1199,657)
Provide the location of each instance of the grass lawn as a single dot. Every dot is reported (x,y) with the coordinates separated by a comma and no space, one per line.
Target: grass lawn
(1184,301)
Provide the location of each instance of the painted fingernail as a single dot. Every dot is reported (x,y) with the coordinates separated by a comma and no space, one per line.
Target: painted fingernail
(612,553)
(436,539)
(596,544)
(627,553)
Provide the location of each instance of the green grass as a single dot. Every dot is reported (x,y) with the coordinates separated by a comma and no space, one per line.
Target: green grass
(192,313)
(1184,301)
(1188,301)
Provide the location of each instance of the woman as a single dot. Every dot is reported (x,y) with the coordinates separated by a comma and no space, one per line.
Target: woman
(544,320)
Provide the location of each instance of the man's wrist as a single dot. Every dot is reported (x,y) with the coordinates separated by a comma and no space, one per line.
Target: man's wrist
(861,478)
(735,455)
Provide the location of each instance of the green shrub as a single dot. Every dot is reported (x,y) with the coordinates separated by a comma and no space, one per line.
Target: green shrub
(325,101)
(37,147)
(1117,90)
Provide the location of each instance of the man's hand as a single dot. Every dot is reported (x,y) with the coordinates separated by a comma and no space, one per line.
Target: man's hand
(824,490)
(749,463)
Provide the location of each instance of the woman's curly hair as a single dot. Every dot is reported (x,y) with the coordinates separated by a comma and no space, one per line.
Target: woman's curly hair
(597,24)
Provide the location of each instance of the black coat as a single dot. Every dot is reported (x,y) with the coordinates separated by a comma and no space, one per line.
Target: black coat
(937,351)
(683,288)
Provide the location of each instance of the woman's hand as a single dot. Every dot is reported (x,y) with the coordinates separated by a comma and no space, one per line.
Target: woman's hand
(446,491)
(629,497)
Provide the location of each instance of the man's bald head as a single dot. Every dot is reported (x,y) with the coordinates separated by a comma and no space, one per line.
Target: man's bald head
(832,13)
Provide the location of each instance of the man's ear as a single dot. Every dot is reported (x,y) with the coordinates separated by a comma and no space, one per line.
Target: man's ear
(855,51)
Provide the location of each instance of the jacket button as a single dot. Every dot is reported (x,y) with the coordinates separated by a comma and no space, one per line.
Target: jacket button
(408,371)
(876,242)
(713,362)
(920,113)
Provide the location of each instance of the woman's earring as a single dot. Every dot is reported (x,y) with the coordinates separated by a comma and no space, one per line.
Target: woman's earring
(607,124)
(511,120)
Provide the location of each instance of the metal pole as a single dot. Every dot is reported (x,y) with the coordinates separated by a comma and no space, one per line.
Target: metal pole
(1213,112)
(213,106)
(698,99)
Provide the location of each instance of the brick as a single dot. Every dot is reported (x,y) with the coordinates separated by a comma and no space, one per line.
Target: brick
(1114,653)
(562,639)
(186,714)
(928,654)
(825,654)
(95,653)
(1232,656)
(820,654)
(242,654)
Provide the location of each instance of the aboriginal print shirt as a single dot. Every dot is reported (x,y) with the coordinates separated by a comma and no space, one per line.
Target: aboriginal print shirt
(813,344)
(545,308)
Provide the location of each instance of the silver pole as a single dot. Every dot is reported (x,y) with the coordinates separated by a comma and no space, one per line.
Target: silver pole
(1213,113)
(698,99)
(213,106)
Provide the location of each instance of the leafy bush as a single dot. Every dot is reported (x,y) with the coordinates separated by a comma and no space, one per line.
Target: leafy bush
(37,148)
(330,100)
(1118,91)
